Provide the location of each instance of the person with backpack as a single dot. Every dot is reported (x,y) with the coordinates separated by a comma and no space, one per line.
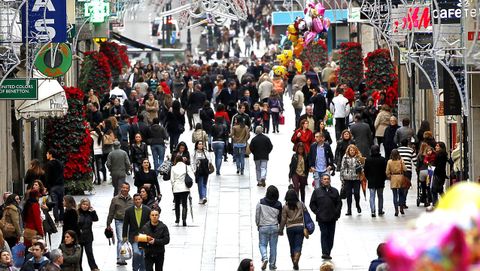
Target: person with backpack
(200,162)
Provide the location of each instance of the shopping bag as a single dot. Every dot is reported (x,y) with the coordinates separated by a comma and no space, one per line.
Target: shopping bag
(125,251)
(281,119)
(18,254)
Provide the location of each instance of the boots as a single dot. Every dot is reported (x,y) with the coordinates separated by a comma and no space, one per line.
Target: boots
(296,259)
(396,210)
(401,210)
(184,216)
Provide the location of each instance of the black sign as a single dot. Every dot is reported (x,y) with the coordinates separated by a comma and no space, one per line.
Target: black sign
(451,95)
(450,12)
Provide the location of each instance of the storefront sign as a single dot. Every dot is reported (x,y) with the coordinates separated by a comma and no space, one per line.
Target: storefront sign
(97,11)
(54,64)
(18,89)
(450,12)
(47,21)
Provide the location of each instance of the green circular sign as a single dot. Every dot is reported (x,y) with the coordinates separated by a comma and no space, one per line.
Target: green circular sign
(56,66)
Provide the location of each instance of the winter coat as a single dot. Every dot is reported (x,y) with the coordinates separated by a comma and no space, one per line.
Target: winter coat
(33,220)
(239,134)
(12,216)
(160,234)
(70,221)
(178,177)
(312,155)
(219,133)
(29,264)
(340,150)
(196,101)
(319,106)
(294,163)
(395,170)
(375,168)
(389,140)
(117,208)
(85,223)
(306,138)
(71,257)
(326,204)
(199,135)
(207,116)
(268,213)
(381,122)
(363,137)
(292,218)
(175,122)
(261,146)
(138,152)
(349,166)
(118,163)
(152,107)
(157,135)
(142,178)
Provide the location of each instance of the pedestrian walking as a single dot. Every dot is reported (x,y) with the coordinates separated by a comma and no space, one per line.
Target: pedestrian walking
(199,134)
(362,134)
(86,216)
(70,221)
(325,132)
(292,218)
(303,135)
(96,135)
(219,141)
(410,160)
(299,168)
(157,237)
(374,169)
(395,169)
(381,123)
(138,151)
(389,137)
(31,217)
(340,108)
(179,188)
(135,217)
(320,158)
(200,160)
(207,117)
(341,148)
(118,164)
(326,204)
(55,184)
(268,217)
(12,215)
(297,102)
(175,123)
(404,132)
(440,172)
(352,167)
(261,146)
(276,109)
(240,134)
(157,135)
(116,211)
(319,106)
(72,252)
(147,177)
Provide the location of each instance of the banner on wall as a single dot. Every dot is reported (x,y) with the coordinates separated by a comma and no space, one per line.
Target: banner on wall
(44,21)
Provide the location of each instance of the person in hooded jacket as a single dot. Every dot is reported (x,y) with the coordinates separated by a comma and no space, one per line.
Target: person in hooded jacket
(374,169)
(268,217)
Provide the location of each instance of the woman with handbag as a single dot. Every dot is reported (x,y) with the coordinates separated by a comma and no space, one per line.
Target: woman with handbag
(395,170)
(86,216)
(267,217)
(200,164)
(12,216)
(350,176)
(72,252)
(299,170)
(292,218)
(179,187)
(303,135)
(32,218)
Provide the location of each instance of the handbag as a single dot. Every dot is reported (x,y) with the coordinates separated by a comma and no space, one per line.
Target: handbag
(281,119)
(165,167)
(188,179)
(7,228)
(308,224)
(247,149)
(211,168)
(343,192)
(407,177)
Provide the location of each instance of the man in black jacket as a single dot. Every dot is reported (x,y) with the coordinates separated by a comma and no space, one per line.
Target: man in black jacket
(228,95)
(327,205)
(131,106)
(157,238)
(157,135)
(261,146)
(320,158)
(319,107)
(195,103)
(135,217)
(55,184)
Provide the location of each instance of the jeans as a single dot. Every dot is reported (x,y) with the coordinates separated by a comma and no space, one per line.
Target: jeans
(261,169)
(156,260)
(239,155)
(317,178)
(138,262)
(117,182)
(174,141)
(158,153)
(352,187)
(340,125)
(57,192)
(398,197)
(180,198)
(118,233)
(202,186)
(268,235)
(295,239)
(379,192)
(91,259)
(218,149)
(298,112)
(98,167)
(327,232)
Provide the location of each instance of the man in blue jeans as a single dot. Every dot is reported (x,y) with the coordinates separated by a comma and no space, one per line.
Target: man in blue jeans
(327,205)
(157,135)
(320,158)
(118,205)
(268,215)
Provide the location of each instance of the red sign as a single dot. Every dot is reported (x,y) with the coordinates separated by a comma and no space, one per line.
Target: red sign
(471,35)
(416,18)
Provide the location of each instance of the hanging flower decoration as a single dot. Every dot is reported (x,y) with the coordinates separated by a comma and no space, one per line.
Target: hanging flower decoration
(351,64)
(117,57)
(71,139)
(381,76)
(95,73)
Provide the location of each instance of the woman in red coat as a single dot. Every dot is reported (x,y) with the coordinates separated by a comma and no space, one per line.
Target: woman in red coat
(31,217)
(304,135)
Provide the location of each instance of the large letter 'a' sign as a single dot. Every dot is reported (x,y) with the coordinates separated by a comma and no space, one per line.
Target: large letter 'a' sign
(45,21)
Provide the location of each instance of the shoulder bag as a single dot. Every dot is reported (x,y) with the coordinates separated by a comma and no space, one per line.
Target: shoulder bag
(188,179)
(211,168)
(308,224)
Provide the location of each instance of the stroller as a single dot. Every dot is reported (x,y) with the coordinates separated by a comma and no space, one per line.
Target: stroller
(423,191)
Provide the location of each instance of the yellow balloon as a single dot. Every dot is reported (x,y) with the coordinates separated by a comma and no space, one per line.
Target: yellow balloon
(280,71)
(459,196)
(298,65)
(288,54)
(291,29)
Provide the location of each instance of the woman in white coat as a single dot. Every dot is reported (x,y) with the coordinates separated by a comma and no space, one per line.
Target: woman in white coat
(200,160)
(179,188)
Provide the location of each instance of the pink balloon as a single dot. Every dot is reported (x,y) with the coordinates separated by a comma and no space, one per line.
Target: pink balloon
(317,25)
(309,37)
(320,9)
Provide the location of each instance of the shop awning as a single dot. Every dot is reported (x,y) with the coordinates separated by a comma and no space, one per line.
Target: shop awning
(133,43)
(52,102)
(288,17)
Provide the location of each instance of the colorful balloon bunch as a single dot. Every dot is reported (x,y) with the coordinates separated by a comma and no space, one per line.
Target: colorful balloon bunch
(315,22)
